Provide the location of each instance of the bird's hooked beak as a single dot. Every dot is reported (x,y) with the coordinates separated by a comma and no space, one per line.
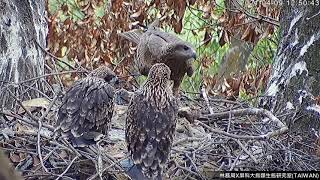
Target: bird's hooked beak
(194,54)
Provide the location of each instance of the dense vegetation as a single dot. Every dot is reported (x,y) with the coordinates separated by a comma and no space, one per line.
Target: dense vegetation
(84,33)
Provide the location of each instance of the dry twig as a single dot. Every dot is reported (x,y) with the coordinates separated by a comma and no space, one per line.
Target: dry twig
(67,169)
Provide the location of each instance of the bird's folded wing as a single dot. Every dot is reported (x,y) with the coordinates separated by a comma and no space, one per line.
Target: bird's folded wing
(132,35)
(87,104)
(156,44)
(135,34)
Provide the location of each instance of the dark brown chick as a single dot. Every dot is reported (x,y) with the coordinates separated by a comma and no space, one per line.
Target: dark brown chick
(86,112)
(151,122)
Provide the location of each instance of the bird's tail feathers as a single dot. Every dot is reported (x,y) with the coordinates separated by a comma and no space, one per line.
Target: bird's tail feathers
(135,34)
(132,35)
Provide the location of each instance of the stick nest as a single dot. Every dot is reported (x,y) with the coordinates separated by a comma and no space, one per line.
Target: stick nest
(212,135)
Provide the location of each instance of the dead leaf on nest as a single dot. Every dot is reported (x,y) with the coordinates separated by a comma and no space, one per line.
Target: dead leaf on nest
(33,104)
(21,129)
(14,157)
(36,161)
(36,102)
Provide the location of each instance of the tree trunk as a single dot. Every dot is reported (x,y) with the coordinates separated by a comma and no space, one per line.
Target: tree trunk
(22,27)
(295,78)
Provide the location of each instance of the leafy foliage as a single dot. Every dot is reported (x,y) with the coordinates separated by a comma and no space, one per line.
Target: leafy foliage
(84,33)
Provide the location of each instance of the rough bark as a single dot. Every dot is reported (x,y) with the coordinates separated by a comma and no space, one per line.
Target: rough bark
(295,78)
(22,26)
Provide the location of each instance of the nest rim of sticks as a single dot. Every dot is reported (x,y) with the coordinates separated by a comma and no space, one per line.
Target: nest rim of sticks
(225,136)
